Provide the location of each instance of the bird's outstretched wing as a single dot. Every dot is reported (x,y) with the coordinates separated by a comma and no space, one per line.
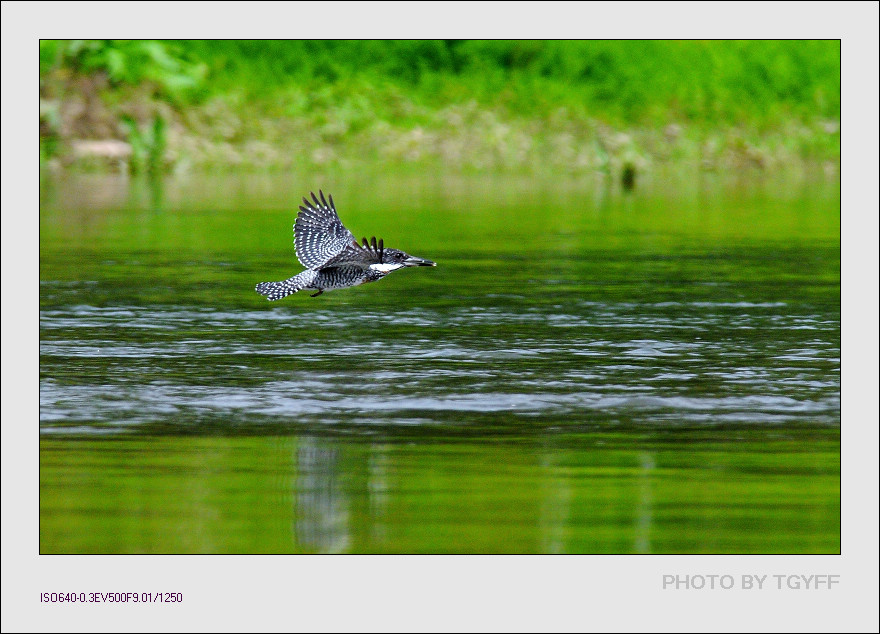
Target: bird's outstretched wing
(318,234)
(372,253)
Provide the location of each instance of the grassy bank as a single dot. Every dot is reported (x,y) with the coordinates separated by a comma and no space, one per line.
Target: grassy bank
(470,105)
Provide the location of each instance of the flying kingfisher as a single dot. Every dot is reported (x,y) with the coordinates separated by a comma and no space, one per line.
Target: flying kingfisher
(332,256)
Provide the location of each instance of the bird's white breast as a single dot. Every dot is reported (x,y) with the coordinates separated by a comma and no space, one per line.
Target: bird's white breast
(385,268)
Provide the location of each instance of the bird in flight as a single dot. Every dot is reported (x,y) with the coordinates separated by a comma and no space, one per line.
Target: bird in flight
(332,256)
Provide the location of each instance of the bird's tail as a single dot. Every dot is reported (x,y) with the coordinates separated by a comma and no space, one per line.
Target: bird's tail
(277,290)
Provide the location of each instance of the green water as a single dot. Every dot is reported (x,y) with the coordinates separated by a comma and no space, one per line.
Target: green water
(583,372)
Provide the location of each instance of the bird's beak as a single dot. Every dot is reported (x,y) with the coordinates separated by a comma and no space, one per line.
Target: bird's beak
(414,261)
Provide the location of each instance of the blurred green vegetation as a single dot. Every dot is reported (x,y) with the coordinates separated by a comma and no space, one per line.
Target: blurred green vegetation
(577,105)
(625,82)
(125,62)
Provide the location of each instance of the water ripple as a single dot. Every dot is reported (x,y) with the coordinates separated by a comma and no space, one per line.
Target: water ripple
(656,363)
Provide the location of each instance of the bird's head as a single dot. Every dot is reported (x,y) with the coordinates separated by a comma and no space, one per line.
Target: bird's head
(396,256)
(391,259)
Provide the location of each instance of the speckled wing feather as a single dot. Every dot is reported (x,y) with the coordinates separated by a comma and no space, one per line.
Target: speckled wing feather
(358,255)
(318,234)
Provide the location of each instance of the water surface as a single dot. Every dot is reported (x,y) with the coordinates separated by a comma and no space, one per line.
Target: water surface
(583,371)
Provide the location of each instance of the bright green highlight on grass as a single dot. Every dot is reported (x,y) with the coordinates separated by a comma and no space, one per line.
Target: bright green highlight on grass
(474,104)
(622,81)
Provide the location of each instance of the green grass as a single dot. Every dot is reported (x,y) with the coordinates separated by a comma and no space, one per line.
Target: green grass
(578,105)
